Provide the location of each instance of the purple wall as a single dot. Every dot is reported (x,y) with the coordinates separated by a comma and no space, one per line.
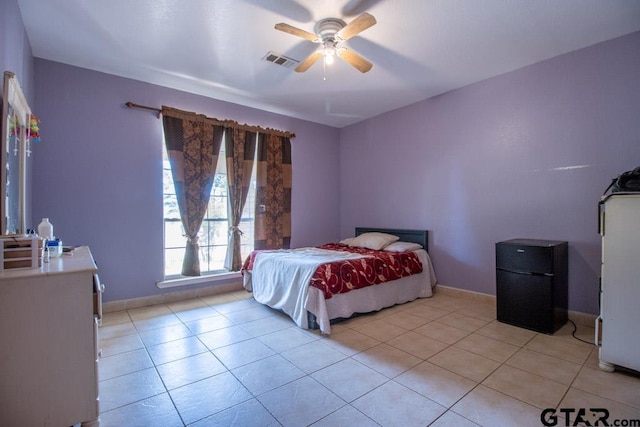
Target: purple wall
(526,154)
(98,170)
(15,56)
(15,50)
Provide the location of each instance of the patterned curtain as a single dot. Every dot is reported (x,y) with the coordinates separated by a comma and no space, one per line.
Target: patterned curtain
(273,199)
(240,147)
(193,144)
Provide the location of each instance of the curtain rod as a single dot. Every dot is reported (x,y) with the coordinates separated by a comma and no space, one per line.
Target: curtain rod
(226,123)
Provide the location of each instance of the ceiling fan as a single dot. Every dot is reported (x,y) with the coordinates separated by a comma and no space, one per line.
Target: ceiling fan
(331,33)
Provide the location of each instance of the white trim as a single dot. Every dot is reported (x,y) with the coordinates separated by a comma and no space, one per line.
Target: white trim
(184,281)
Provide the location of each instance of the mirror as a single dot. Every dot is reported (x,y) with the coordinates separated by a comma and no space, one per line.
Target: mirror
(15,124)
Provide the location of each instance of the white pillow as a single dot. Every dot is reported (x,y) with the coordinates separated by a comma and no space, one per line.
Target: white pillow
(375,241)
(402,247)
(347,241)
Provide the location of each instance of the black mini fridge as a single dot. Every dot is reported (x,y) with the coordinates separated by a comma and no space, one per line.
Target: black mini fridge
(532,283)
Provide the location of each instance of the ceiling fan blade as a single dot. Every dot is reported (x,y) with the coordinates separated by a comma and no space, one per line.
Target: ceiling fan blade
(297,32)
(356,26)
(309,61)
(355,60)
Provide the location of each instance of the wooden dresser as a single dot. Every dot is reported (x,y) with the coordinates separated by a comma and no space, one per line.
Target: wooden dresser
(48,343)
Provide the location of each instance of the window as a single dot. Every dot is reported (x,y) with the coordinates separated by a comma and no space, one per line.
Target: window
(213,236)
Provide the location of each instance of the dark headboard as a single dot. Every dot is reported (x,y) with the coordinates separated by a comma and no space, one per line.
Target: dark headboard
(415,236)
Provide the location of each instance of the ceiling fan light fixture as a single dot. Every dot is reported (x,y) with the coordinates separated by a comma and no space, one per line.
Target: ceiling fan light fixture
(329,51)
(331,32)
(328,56)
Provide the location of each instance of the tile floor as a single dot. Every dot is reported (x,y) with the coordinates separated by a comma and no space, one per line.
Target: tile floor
(444,361)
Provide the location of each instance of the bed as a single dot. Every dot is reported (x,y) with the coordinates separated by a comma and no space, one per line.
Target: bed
(294,282)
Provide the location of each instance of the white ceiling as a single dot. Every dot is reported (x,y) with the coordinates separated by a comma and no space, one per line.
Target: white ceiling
(419,48)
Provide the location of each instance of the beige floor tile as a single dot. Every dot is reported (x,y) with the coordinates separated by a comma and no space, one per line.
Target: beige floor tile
(248,413)
(442,332)
(455,346)
(208,324)
(461,321)
(451,419)
(529,388)
(465,363)
(427,312)
(116,330)
(313,356)
(249,314)
(381,330)
(418,345)
(490,408)
(576,399)
(175,350)
(350,342)
(123,363)
(593,361)
(161,335)
(121,344)
(242,353)
(157,411)
(349,379)
(149,323)
(582,332)
(266,374)
(236,305)
(149,311)
(559,348)
(436,383)
(405,320)
(346,416)
(115,317)
(209,396)
(506,333)
(301,402)
(187,305)
(190,369)
(618,386)
(198,313)
(549,367)
(214,300)
(241,294)
(387,360)
(482,311)
(395,405)
(287,339)
(487,347)
(126,389)
(224,337)
(268,325)
(445,302)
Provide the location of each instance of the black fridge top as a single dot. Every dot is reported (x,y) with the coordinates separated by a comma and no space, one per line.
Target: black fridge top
(532,242)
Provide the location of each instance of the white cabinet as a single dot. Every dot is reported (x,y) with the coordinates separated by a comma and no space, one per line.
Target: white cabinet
(48,343)
(620,282)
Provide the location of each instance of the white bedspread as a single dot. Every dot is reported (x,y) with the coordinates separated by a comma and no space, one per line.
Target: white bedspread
(284,285)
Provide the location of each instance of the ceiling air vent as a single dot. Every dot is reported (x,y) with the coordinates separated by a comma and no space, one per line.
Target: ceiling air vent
(282,60)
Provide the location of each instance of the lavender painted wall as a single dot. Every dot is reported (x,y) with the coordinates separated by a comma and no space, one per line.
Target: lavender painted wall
(98,170)
(526,154)
(15,56)
(15,50)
